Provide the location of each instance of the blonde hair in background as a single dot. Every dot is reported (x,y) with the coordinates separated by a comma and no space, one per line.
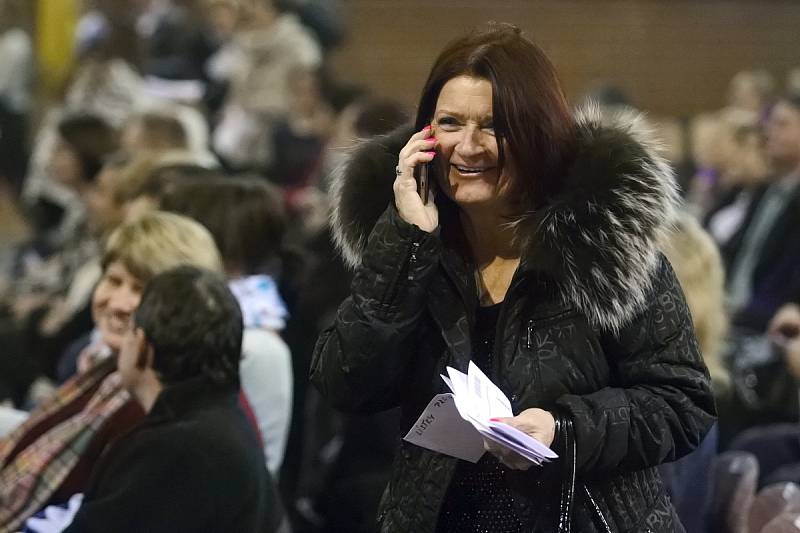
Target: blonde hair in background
(158,241)
(698,266)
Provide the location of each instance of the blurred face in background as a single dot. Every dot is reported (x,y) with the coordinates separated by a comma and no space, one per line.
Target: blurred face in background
(750,164)
(132,139)
(745,94)
(114,301)
(65,165)
(223,17)
(104,212)
(783,137)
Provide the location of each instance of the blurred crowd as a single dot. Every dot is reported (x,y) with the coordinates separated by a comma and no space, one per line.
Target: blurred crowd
(227,112)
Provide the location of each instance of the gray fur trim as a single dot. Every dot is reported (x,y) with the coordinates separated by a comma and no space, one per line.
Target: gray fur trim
(597,238)
(361,189)
(619,199)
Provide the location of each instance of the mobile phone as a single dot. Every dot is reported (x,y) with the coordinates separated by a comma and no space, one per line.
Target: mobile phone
(422,175)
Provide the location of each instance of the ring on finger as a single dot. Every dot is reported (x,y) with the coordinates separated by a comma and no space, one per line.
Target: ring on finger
(397,171)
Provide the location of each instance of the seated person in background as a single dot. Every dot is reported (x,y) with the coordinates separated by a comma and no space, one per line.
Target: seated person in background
(785,332)
(248,222)
(193,462)
(172,133)
(50,456)
(763,258)
(741,173)
(777,446)
(153,131)
(41,308)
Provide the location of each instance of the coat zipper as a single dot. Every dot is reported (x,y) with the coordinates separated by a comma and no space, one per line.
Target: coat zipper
(529,336)
(537,371)
(597,510)
(412,261)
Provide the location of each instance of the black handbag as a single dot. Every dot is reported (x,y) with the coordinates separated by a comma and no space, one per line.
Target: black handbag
(565,442)
(554,510)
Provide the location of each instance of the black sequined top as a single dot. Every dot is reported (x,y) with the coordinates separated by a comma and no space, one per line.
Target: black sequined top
(479,499)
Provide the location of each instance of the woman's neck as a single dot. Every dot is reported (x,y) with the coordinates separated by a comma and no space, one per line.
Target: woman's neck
(490,236)
(496,253)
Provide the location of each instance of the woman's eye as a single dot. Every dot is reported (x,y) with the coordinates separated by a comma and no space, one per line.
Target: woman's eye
(447,123)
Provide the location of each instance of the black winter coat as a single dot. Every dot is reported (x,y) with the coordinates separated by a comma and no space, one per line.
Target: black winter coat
(594,325)
(194,464)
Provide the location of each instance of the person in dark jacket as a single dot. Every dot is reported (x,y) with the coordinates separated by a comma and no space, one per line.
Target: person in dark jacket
(763,257)
(536,257)
(194,464)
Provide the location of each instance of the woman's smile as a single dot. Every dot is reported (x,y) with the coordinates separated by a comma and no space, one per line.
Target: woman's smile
(472,170)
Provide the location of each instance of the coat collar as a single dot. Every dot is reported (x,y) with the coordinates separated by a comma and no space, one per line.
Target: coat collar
(177,400)
(596,238)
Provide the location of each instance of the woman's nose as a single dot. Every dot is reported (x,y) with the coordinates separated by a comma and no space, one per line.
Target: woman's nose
(470,143)
(124,300)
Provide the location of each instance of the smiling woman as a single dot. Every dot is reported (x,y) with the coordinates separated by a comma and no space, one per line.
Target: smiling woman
(133,255)
(63,438)
(538,260)
(464,130)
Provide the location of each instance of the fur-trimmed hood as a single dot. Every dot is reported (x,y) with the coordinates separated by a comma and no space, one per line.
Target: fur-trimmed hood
(597,238)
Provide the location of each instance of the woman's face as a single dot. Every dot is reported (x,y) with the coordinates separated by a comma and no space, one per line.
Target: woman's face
(462,123)
(114,301)
(747,163)
(65,166)
(104,212)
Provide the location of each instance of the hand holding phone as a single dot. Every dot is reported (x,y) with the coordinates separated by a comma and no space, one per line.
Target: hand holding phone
(412,194)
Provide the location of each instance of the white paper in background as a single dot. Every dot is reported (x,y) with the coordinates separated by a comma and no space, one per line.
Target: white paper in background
(55,518)
(442,429)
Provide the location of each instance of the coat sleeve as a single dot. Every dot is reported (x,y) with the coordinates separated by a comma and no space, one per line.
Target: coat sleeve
(660,404)
(359,362)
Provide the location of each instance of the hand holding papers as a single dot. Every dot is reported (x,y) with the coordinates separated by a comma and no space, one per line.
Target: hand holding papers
(456,424)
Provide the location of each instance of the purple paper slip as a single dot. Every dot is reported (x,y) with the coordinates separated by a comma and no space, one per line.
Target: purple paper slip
(522,439)
(514,447)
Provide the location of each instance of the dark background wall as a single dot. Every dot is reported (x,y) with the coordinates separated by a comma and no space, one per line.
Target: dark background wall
(674,57)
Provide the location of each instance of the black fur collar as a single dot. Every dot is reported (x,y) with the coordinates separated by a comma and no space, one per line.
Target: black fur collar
(597,238)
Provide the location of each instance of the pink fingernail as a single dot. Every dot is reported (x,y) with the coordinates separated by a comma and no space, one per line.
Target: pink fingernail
(432,139)
(494,420)
(433,152)
(426,127)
